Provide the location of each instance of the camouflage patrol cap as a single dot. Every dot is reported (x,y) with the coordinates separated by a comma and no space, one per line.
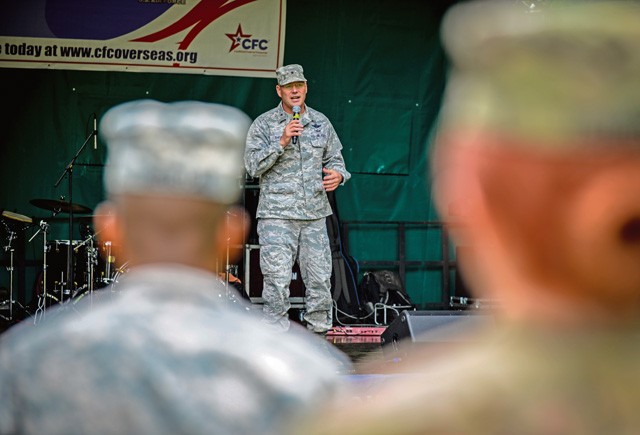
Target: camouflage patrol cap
(186,148)
(569,70)
(289,74)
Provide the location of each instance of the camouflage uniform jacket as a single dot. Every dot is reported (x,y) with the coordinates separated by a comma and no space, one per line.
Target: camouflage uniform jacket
(291,177)
(165,355)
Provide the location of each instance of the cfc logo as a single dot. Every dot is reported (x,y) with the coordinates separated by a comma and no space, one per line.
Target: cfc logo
(246,42)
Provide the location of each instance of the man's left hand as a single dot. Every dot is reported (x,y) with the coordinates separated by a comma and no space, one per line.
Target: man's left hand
(331,179)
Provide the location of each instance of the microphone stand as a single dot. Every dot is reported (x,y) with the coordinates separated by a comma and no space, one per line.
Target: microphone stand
(69,170)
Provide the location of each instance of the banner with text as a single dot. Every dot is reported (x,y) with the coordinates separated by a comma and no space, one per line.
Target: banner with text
(217,37)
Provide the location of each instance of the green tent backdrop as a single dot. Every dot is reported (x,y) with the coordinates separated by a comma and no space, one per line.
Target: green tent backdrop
(375,68)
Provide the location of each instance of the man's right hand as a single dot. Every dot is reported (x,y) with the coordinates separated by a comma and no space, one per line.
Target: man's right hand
(293,128)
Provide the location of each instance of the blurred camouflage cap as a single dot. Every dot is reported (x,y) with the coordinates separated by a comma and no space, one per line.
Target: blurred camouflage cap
(186,148)
(289,74)
(571,69)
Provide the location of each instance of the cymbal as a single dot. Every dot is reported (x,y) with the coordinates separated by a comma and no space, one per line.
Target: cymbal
(17,217)
(60,206)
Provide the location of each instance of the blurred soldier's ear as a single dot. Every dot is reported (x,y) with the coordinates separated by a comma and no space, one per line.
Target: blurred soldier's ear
(108,229)
(231,233)
(605,226)
(589,228)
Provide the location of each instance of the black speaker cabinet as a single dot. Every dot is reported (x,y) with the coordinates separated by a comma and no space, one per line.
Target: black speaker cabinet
(432,327)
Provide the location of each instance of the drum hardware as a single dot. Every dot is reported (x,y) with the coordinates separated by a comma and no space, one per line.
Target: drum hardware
(94,256)
(12,234)
(110,260)
(41,310)
(84,227)
(8,248)
(112,288)
(120,270)
(91,264)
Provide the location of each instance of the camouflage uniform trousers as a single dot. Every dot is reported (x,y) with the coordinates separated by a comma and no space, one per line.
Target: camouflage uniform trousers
(282,242)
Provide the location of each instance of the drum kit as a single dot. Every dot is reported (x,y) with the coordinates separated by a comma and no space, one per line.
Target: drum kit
(71,269)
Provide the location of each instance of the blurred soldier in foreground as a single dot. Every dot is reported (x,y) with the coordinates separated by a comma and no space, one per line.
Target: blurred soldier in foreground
(539,156)
(170,352)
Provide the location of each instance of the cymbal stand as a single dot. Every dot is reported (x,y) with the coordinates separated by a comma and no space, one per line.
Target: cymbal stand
(8,248)
(69,170)
(110,260)
(92,258)
(92,261)
(42,302)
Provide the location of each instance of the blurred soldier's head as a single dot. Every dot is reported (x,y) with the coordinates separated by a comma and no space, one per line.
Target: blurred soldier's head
(173,171)
(537,163)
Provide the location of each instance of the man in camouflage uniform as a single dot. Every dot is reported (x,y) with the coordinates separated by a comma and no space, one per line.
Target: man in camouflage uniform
(172,351)
(539,155)
(298,161)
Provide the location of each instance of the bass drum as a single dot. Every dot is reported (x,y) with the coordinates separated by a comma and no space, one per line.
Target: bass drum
(55,265)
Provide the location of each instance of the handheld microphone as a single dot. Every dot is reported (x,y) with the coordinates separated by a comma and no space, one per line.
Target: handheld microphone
(296,115)
(95,132)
